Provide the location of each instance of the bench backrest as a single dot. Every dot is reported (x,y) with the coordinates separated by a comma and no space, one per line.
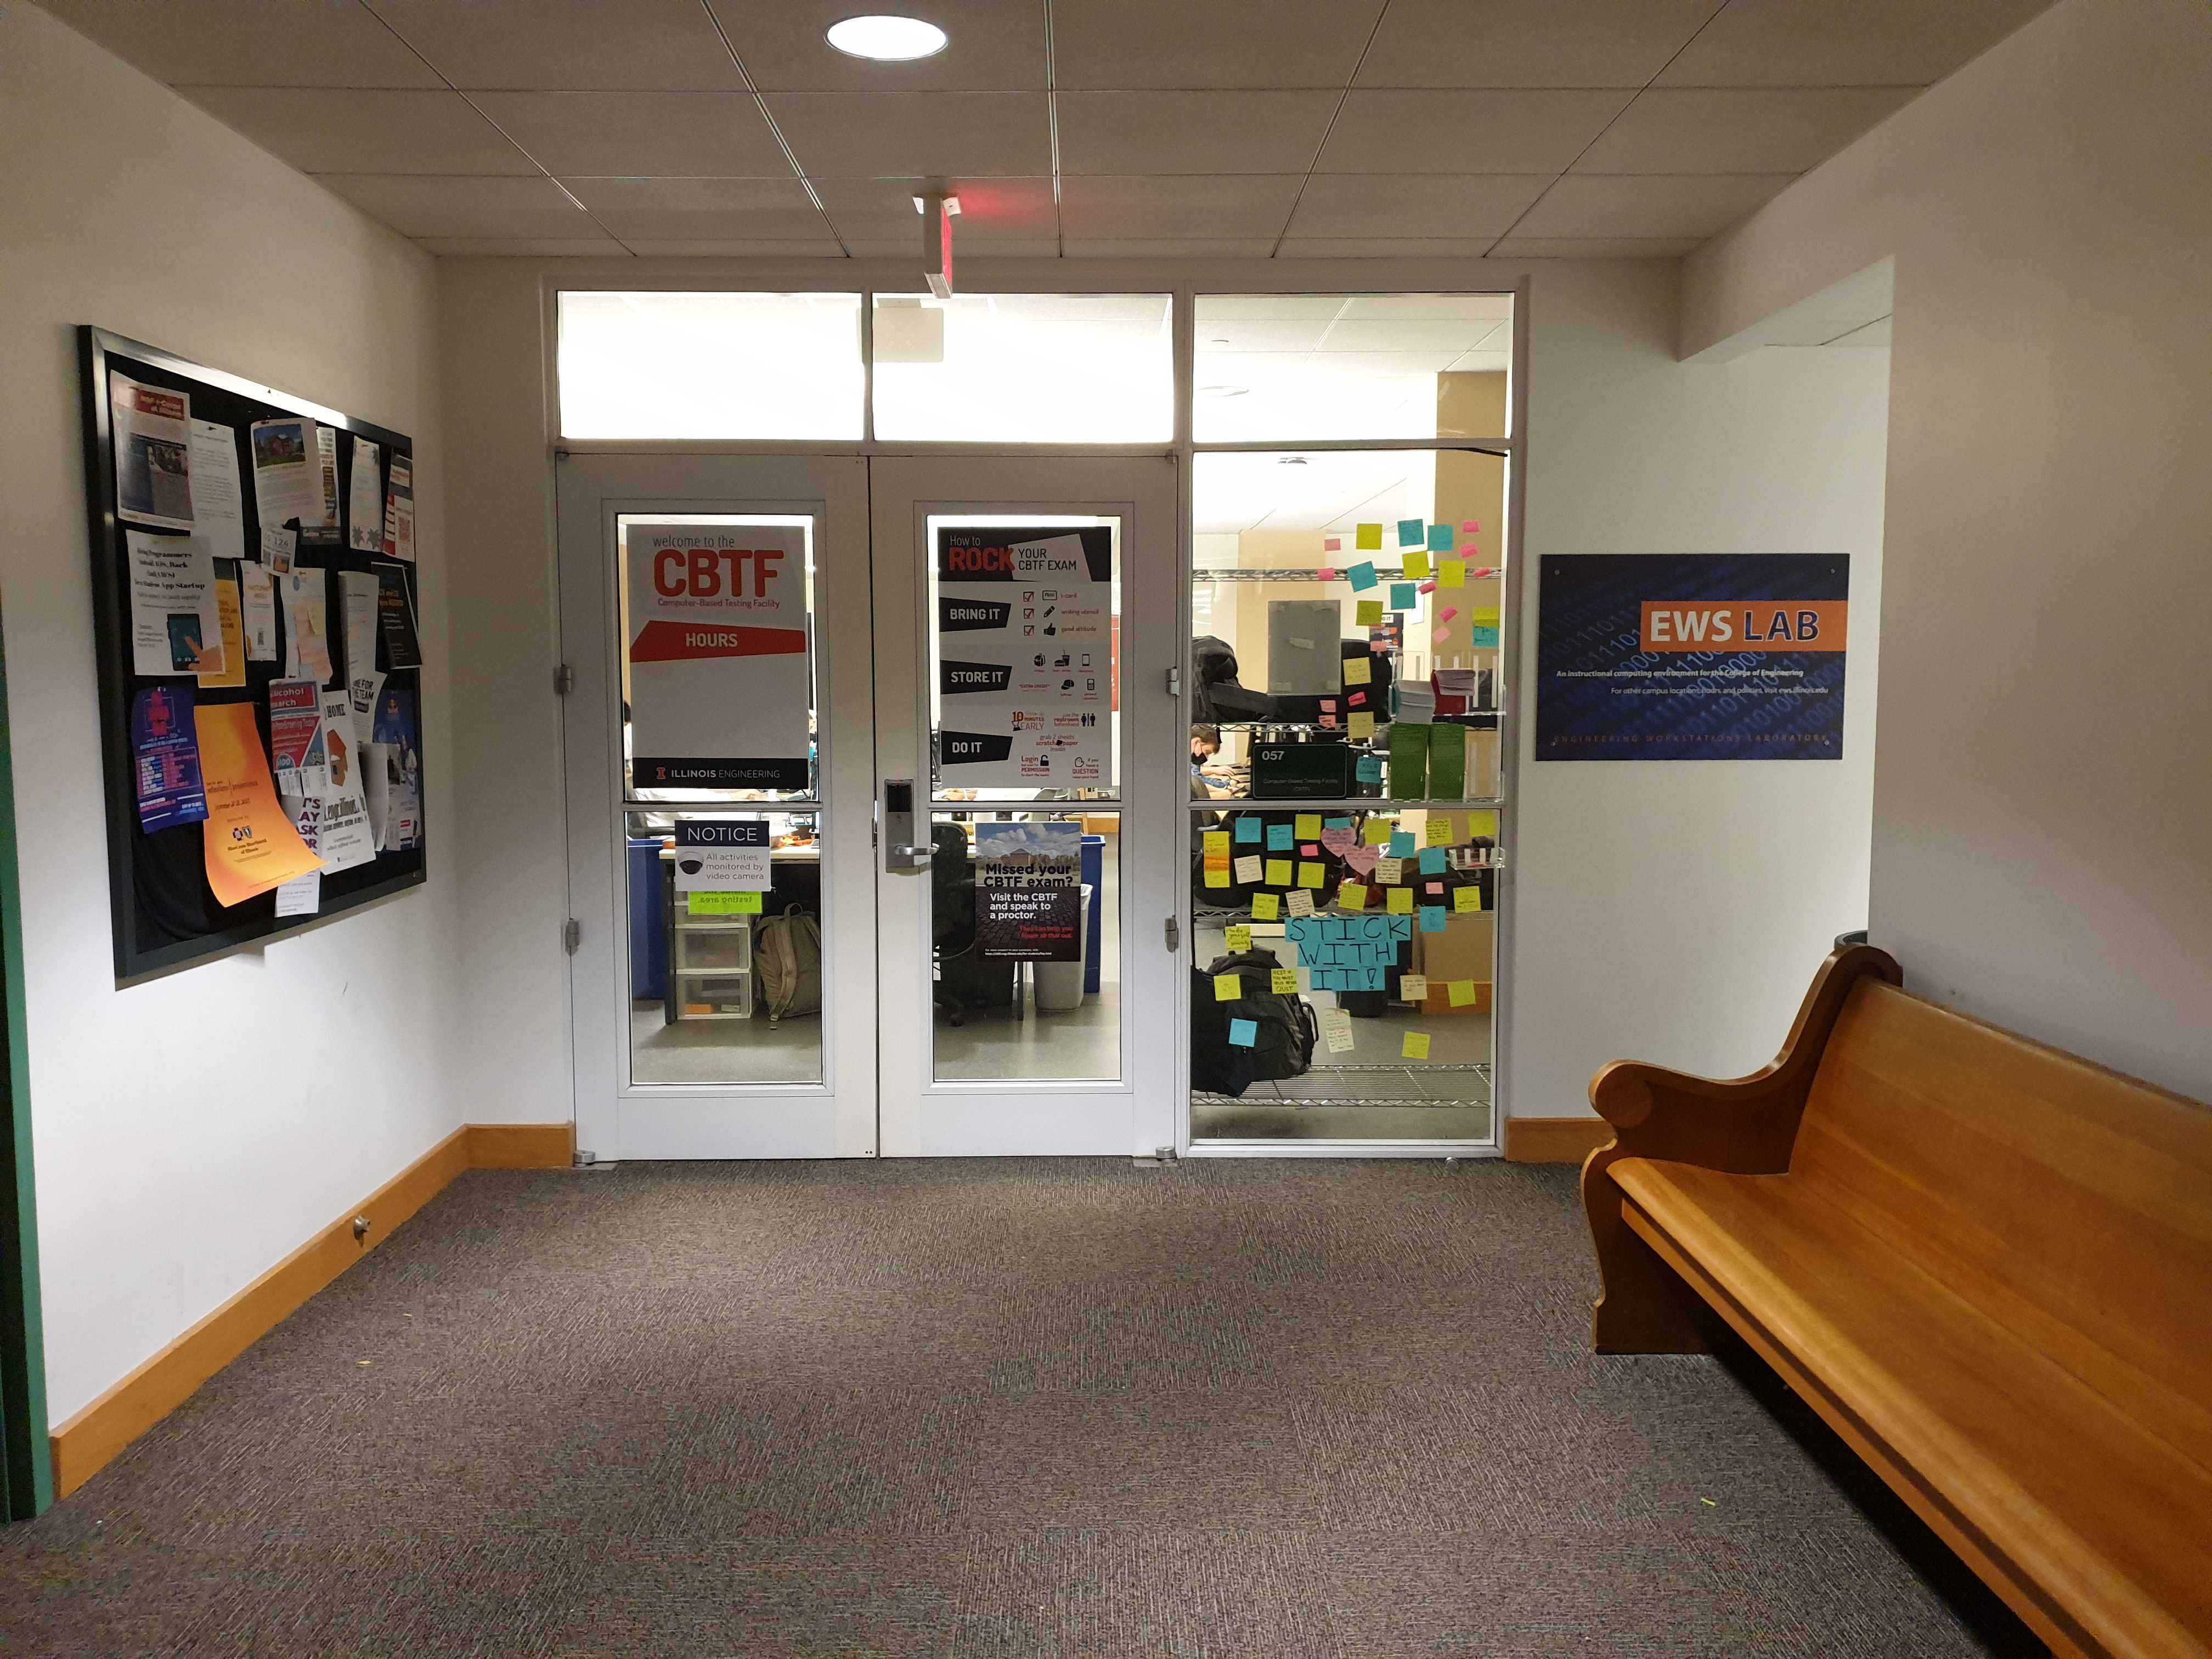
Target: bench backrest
(2072,1204)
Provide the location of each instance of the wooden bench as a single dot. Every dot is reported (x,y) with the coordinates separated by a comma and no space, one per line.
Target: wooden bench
(1987,1264)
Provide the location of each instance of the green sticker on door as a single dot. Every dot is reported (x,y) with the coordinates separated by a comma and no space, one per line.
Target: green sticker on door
(725,904)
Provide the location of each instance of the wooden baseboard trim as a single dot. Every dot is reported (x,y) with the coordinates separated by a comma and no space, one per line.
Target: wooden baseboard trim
(93,1437)
(1554,1139)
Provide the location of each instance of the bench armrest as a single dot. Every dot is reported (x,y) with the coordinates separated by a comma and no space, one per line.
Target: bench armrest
(1746,1126)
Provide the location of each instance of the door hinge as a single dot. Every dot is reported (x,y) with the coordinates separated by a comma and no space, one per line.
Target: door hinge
(564,680)
(1175,935)
(573,935)
(1175,681)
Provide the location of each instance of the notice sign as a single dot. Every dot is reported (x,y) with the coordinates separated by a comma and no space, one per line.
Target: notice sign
(721,857)
(720,673)
(1707,656)
(1028,892)
(1025,657)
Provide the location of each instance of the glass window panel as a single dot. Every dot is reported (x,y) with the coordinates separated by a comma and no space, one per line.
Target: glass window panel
(1025,368)
(700,995)
(1024,675)
(767,723)
(1025,929)
(1392,976)
(640,364)
(1303,366)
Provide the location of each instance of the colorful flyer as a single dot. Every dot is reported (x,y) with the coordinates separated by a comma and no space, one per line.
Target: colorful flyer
(151,431)
(250,845)
(399,511)
(167,757)
(176,626)
(394,737)
(231,628)
(1028,894)
(722,856)
(395,617)
(347,838)
(295,732)
(307,625)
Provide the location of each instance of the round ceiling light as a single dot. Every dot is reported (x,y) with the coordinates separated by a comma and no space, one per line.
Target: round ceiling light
(886,40)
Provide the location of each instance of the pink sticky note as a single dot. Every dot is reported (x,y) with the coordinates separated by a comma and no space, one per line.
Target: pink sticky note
(1328,719)
(1362,859)
(1310,851)
(1325,574)
(1435,887)
(1328,702)
(1357,698)
(1339,841)
(1486,570)
(1332,544)
(1430,586)
(1447,613)
(1472,526)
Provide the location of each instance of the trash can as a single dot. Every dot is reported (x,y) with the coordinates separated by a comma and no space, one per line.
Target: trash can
(648,922)
(1094,865)
(1060,984)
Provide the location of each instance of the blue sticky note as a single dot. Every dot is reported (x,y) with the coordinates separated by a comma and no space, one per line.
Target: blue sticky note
(1337,824)
(1432,860)
(1402,843)
(1409,534)
(1248,828)
(1370,768)
(1362,577)
(1244,1033)
(1440,539)
(1432,918)
(1482,638)
(1404,596)
(1279,837)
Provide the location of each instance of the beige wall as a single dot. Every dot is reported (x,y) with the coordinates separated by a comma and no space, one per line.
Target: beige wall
(2042,803)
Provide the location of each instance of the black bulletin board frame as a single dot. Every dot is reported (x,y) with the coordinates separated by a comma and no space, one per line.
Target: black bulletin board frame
(146,941)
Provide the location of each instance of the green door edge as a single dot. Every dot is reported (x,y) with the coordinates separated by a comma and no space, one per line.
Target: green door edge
(27,1465)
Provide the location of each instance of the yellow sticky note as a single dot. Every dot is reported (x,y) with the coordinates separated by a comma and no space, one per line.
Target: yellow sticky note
(1352,895)
(1416,565)
(1461,991)
(1227,987)
(1278,873)
(1483,616)
(1465,899)
(1451,573)
(1284,981)
(1368,613)
(1216,875)
(1482,824)
(1439,830)
(1357,672)
(1368,537)
(1360,725)
(1265,907)
(1240,939)
(1400,902)
(1307,826)
(1416,1046)
(1376,831)
(1312,873)
(1217,843)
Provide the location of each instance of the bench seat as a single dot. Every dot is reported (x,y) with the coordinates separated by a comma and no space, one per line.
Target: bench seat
(2029,1465)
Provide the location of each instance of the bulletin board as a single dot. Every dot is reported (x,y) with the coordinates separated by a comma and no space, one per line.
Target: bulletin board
(261,727)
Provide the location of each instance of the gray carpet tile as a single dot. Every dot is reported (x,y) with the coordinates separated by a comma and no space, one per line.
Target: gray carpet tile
(970,1409)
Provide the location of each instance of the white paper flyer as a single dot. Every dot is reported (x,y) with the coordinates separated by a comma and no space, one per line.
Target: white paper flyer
(257,591)
(151,429)
(218,508)
(357,598)
(346,837)
(365,499)
(399,511)
(285,486)
(326,457)
(175,626)
(307,626)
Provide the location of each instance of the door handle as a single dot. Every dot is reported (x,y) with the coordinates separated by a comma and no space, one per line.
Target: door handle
(901,851)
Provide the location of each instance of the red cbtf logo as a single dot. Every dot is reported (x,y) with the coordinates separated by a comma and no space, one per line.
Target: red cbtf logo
(713,573)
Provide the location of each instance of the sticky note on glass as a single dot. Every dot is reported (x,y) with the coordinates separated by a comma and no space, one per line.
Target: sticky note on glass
(1216,875)
(1265,907)
(1412,987)
(1312,874)
(1227,987)
(1482,824)
(1411,534)
(1239,938)
(1248,867)
(1278,873)
(1390,871)
(1359,671)
(1415,1046)
(1351,896)
(1378,832)
(1336,1026)
(1244,1033)
(1461,991)
(1216,842)
(1439,830)
(1440,539)
(1432,918)
(1470,527)
(1465,899)
(1370,768)
(1248,828)
(1332,543)
(1367,613)
(1367,536)
(1404,596)
(1451,573)
(723,905)
(1415,566)
(1309,826)
(1362,576)
(1299,903)
(1400,901)
(1432,860)
(1359,727)
(1279,837)
(1402,843)
(1284,981)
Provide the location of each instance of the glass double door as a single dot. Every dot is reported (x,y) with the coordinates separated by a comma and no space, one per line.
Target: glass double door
(874,778)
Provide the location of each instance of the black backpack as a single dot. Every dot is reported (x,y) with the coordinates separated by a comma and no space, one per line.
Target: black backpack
(1284,1038)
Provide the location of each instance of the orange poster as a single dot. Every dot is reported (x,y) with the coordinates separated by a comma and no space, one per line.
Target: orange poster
(251,845)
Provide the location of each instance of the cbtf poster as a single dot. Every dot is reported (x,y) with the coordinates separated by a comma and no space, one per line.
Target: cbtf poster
(1699,656)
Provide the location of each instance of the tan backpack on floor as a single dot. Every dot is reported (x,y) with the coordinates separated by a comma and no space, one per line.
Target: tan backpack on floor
(787,954)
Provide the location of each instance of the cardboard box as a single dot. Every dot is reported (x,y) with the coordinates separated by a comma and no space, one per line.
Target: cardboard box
(1465,949)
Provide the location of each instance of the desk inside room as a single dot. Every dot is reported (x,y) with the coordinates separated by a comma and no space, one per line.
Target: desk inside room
(709,971)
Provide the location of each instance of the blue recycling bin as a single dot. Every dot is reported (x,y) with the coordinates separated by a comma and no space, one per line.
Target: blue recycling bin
(1094,863)
(648,923)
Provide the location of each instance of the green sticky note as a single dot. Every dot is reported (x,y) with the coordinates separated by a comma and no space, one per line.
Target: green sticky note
(1404,596)
(1368,538)
(1369,613)
(725,904)
(1411,534)
(1440,539)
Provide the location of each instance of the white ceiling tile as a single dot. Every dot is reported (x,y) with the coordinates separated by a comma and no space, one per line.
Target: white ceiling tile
(1875,333)
(992,210)
(1738,129)
(1529,43)
(609,133)
(1207,207)
(1400,334)
(1203,132)
(1265,308)
(1429,206)
(1236,334)
(1216,247)
(417,205)
(250,43)
(751,248)
(1594,247)
(1484,310)
(1649,204)
(348,131)
(991,45)
(900,135)
(1481,363)
(1436,130)
(1126,43)
(1844,43)
(1383,247)
(566,45)
(969,254)
(536,247)
(701,209)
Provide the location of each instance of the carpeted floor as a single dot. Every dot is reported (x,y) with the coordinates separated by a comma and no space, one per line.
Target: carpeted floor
(972,1409)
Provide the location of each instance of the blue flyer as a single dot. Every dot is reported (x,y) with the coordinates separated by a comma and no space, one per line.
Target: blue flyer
(167,755)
